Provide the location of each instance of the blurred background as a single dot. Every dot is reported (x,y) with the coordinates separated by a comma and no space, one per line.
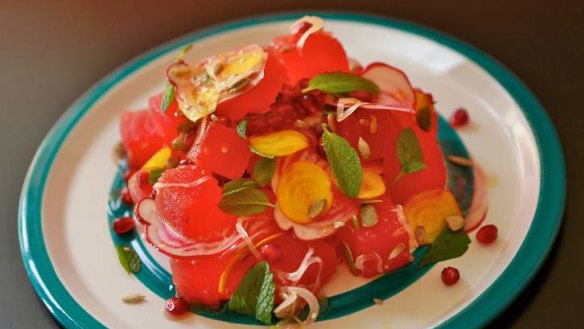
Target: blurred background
(52,51)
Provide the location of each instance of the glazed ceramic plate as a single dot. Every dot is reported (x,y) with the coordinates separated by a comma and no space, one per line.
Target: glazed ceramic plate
(64,233)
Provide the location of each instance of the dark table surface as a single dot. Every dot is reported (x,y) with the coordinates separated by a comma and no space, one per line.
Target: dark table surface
(52,51)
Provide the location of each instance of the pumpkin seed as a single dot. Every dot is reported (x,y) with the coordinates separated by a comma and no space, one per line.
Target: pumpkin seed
(316,208)
(368,215)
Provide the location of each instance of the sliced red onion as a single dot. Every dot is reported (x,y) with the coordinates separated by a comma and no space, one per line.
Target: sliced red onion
(158,186)
(373,256)
(480,201)
(316,24)
(307,261)
(353,104)
(293,293)
(401,217)
(171,243)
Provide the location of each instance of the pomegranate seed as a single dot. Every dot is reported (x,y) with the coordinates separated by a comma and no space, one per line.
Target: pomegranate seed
(123,225)
(450,276)
(459,118)
(125,196)
(257,124)
(487,234)
(271,252)
(176,306)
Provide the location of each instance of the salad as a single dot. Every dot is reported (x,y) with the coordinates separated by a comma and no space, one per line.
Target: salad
(263,171)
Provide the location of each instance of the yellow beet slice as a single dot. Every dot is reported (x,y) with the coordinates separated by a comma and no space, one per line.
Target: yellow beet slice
(429,210)
(372,184)
(158,160)
(279,143)
(300,186)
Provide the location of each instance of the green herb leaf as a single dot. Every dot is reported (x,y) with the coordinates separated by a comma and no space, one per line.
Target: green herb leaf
(424,119)
(183,52)
(263,155)
(167,97)
(245,202)
(264,170)
(409,153)
(129,259)
(255,294)
(238,185)
(241,128)
(447,245)
(344,162)
(155,175)
(340,82)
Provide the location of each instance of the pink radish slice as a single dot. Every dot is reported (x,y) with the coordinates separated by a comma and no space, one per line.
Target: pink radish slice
(396,89)
(480,202)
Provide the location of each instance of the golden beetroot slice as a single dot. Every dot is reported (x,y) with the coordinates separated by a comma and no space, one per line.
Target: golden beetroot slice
(280,143)
(427,212)
(301,187)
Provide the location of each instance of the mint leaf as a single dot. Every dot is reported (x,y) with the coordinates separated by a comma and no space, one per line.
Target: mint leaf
(183,52)
(245,202)
(409,153)
(344,162)
(155,175)
(339,82)
(167,98)
(448,245)
(241,128)
(255,294)
(129,259)
(264,170)
(238,185)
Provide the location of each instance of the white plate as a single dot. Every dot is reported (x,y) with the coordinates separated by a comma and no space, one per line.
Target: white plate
(65,238)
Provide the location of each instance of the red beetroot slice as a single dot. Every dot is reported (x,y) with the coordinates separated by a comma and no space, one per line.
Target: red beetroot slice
(383,247)
(221,151)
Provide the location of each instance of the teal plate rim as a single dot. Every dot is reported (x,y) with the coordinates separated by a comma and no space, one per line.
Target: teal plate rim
(490,303)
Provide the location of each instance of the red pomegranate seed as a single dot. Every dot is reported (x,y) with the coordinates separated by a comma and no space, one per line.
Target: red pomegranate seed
(176,306)
(459,118)
(271,252)
(450,275)
(125,196)
(123,225)
(487,234)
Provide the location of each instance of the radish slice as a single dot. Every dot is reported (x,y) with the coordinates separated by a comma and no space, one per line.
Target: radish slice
(480,201)
(171,243)
(396,89)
